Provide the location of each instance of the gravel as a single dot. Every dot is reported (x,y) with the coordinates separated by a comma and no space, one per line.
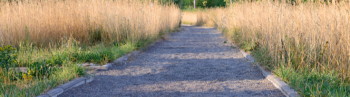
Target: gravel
(195,62)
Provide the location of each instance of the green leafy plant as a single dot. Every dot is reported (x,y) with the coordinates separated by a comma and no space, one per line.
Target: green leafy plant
(7,57)
(40,69)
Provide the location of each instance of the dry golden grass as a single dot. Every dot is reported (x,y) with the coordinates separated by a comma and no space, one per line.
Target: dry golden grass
(48,22)
(308,35)
(189,18)
(199,18)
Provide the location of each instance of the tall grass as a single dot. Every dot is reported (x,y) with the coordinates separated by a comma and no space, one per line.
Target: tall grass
(51,37)
(87,21)
(307,44)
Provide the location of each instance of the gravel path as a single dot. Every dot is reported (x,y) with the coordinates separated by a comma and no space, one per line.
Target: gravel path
(194,62)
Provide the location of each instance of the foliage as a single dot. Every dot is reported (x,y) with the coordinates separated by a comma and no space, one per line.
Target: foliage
(188,4)
(8,57)
(33,86)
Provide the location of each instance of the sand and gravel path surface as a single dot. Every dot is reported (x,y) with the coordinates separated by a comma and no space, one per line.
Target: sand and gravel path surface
(192,63)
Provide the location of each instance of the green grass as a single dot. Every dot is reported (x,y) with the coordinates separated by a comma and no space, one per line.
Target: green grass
(99,53)
(188,23)
(193,10)
(34,87)
(313,83)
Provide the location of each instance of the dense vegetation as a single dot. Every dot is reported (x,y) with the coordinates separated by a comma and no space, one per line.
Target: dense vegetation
(52,37)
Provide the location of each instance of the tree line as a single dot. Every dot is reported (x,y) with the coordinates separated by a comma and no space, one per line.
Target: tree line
(189,4)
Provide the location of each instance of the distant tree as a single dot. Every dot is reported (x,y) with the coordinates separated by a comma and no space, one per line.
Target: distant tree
(200,3)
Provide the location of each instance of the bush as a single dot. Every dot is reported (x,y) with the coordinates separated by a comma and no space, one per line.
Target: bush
(8,57)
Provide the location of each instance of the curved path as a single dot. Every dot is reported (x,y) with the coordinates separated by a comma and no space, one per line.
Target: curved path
(192,63)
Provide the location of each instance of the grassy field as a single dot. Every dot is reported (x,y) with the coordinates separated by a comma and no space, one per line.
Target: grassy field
(305,44)
(52,37)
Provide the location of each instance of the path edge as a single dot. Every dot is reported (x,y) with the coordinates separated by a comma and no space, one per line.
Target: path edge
(83,80)
(126,56)
(276,81)
(64,87)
